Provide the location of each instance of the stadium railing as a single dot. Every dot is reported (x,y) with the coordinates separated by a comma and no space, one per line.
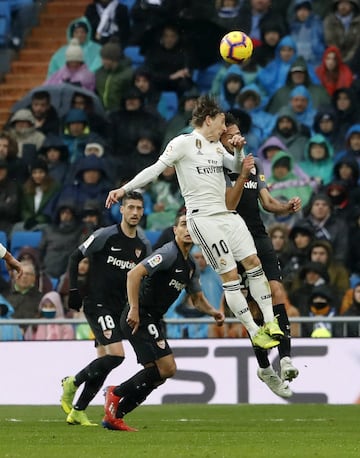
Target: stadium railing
(344,321)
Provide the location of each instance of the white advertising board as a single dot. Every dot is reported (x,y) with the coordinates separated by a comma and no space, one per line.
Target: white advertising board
(214,371)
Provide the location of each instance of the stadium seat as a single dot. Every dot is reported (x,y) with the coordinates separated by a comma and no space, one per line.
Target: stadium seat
(152,236)
(128,3)
(5,19)
(204,78)
(133,53)
(168,104)
(19,239)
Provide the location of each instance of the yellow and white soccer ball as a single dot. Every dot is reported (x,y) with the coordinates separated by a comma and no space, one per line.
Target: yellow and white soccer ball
(236,47)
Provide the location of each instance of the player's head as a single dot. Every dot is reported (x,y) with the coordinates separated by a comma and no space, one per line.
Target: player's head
(181,232)
(132,208)
(208,115)
(232,128)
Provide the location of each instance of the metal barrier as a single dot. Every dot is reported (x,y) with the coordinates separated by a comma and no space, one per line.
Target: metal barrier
(344,321)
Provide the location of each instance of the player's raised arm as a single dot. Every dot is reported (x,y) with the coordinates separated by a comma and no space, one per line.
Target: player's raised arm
(140,180)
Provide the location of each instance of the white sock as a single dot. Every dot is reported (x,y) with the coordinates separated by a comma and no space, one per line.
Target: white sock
(238,305)
(261,292)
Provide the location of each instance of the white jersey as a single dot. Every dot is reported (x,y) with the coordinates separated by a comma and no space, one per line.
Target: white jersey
(2,251)
(199,166)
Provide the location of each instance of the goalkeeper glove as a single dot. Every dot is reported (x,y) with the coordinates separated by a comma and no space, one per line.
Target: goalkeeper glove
(75,300)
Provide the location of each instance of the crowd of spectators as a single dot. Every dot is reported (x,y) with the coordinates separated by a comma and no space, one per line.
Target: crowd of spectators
(101,116)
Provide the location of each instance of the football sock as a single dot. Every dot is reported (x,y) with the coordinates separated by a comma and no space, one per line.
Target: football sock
(238,305)
(261,357)
(94,376)
(285,342)
(260,291)
(103,365)
(135,390)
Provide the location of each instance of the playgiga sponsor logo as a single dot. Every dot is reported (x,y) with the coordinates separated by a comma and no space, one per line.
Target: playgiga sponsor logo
(121,263)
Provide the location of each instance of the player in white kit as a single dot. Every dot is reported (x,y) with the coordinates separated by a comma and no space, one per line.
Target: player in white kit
(199,159)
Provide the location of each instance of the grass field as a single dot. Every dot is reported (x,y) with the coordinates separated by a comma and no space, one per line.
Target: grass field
(179,431)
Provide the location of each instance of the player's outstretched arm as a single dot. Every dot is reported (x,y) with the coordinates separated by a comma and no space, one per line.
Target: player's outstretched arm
(114,196)
(202,304)
(272,205)
(13,264)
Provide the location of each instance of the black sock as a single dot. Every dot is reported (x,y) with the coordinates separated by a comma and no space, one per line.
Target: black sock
(103,365)
(285,346)
(135,390)
(94,376)
(262,357)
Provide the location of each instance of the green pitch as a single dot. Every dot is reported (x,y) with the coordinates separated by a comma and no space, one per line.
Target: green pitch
(179,431)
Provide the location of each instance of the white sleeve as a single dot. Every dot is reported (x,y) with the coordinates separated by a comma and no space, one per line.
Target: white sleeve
(3,251)
(145,176)
(234,163)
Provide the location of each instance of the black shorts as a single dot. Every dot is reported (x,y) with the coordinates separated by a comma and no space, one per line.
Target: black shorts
(268,258)
(105,324)
(149,341)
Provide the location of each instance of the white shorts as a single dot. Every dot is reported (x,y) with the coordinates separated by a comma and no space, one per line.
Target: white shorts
(224,239)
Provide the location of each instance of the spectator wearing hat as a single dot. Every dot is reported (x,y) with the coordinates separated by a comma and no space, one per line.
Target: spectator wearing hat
(128,120)
(347,114)
(9,199)
(284,182)
(327,227)
(77,133)
(8,332)
(273,76)
(321,303)
(231,86)
(91,182)
(298,74)
(325,123)
(60,238)
(108,18)
(79,28)
(22,126)
(352,144)
(306,28)
(75,71)
(347,170)
(339,195)
(319,161)
(56,154)
(91,217)
(38,198)
(145,153)
(310,275)
(333,73)
(293,134)
(114,76)
(97,120)
(271,34)
(342,27)
(250,100)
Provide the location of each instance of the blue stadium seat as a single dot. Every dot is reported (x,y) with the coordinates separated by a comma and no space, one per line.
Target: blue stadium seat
(5,20)
(204,78)
(152,236)
(19,239)
(168,104)
(133,53)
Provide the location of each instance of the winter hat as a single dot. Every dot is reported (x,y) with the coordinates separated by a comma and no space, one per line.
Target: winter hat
(39,164)
(79,24)
(98,146)
(111,51)
(76,115)
(74,52)
(23,114)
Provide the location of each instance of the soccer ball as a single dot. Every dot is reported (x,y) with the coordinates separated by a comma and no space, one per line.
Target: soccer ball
(236,47)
